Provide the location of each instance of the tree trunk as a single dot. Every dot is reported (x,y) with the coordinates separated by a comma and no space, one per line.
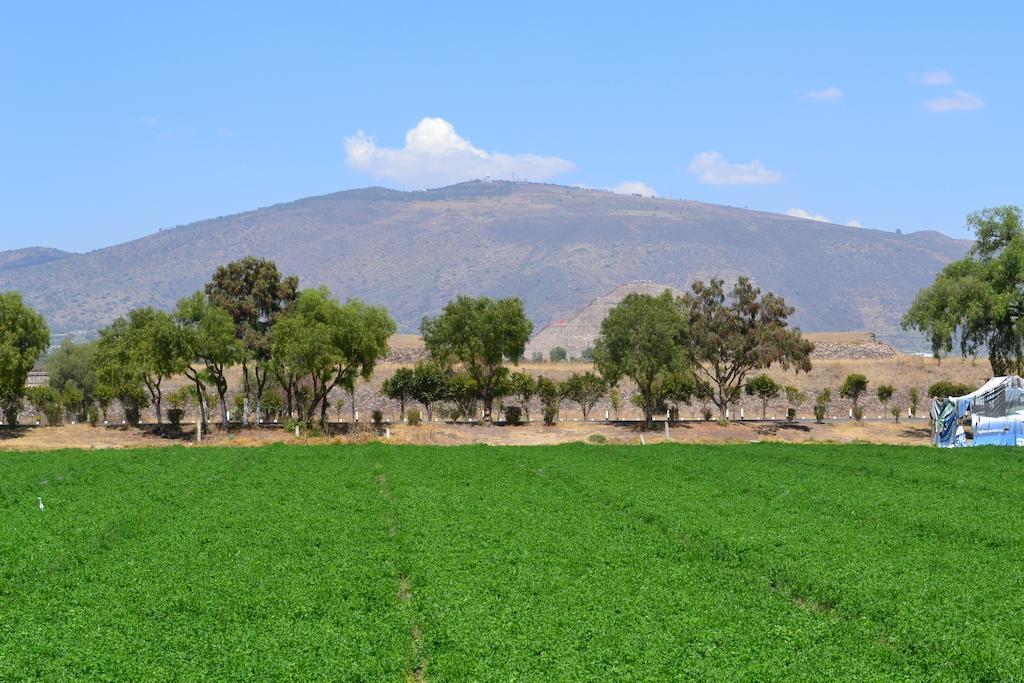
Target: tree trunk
(245,395)
(488,405)
(352,402)
(223,407)
(764,409)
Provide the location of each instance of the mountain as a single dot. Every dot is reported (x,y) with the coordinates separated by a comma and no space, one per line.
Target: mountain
(556,247)
(31,256)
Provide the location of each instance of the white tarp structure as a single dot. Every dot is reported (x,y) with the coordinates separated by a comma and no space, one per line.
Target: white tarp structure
(996,411)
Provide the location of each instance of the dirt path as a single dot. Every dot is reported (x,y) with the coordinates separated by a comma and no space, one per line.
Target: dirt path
(909,432)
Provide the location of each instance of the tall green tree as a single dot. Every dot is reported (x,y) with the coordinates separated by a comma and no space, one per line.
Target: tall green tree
(208,337)
(979,300)
(72,362)
(24,337)
(853,387)
(430,385)
(584,389)
(643,338)
(734,332)
(400,387)
(118,372)
(255,295)
(765,388)
(523,386)
(321,344)
(478,335)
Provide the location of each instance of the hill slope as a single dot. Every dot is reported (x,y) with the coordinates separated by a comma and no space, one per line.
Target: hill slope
(556,247)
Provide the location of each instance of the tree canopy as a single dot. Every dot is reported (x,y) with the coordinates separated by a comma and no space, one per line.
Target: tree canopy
(255,295)
(478,334)
(734,332)
(24,337)
(644,338)
(978,301)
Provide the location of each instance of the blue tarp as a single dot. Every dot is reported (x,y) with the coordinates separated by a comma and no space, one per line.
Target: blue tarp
(998,432)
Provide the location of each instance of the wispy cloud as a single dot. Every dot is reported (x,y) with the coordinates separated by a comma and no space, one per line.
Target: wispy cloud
(937,77)
(634,187)
(961,100)
(830,93)
(713,168)
(800,213)
(434,155)
(854,224)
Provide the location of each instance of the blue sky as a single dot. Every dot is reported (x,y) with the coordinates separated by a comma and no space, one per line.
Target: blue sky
(120,119)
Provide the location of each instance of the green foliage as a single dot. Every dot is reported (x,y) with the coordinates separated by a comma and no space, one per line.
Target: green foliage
(321,344)
(765,388)
(400,387)
(477,335)
(550,394)
(273,405)
(853,387)
(11,406)
(430,385)
(377,416)
(253,293)
(733,333)
(558,355)
(208,336)
(550,414)
(24,337)
(92,415)
(615,398)
(503,557)
(47,403)
(584,389)
(597,438)
(73,400)
(858,413)
(979,299)
(895,412)
(73,363)
(513,415)
(794,396)
(914,397)
(943,389)
(523,388)
(884,393)
(463,390)
(587,354)
(643,338)
(413,417)
(821,402)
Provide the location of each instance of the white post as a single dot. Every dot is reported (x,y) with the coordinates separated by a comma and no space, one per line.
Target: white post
(741,413)
(606,416)
(199,431)
(387,433)
(296,430)
(851,413)
(357,416)
(642,442)
(667,435)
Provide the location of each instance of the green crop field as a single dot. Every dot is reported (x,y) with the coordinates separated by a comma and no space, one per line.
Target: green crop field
(550,563)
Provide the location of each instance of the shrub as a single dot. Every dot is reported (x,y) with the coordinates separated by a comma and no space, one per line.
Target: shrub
(945,388)
(513,415)
(550,415)
(378,416)
(174,416)
(820,411)
(896,413)
(558,354)
(413,416)
(47,403)
(791,414)
(597,438)
(706,413)
(853,386)
(858,413)
(11,408)
(92,414)
(915,399)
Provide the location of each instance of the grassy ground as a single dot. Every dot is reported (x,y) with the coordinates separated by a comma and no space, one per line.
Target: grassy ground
(379,562)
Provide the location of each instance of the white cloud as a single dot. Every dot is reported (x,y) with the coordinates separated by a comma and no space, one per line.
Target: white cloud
(435,155)
(713,168)
(829,93)
(937,77)
(854,224)
(960,101)
(634,187)
(800,213)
